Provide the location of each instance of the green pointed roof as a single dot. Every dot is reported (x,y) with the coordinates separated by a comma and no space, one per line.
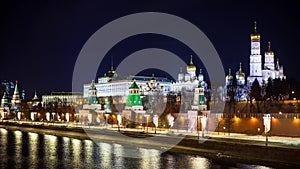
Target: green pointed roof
(134,85)
(4,101)
(4,96)
(16,87)
(92,87)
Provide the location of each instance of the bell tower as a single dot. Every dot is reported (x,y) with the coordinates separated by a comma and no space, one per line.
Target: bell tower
(255,57)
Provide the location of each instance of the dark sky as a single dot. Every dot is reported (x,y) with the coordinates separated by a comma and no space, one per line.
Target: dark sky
(40,40)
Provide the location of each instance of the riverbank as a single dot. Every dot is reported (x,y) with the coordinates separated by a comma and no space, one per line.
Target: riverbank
(218,149)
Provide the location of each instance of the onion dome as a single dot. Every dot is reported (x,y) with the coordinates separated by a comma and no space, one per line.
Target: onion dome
(229,76)
(240,75)
(148,88)
(111,73)
(255,35)
(269,51)
(200,76)
(152,80)
(191,66)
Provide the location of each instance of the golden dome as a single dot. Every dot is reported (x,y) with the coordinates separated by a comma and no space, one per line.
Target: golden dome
(229,76)
(255,35)
(152,80)
(269,51)
(240,74)
(191,66)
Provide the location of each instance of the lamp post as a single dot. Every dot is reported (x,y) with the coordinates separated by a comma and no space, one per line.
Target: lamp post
(155,121)
(147,115)
(171,121)
(224,129)
(106,118)
(198,127)
(53,114)
(267,124)
(119,119)
(203,124)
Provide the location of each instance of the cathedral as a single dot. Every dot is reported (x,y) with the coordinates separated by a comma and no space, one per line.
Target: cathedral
(269,69)
(259,70)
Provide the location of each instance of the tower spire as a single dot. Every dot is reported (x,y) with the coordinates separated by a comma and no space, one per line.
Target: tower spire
(269,46)
(16,97)
(240,66)
(112,63)
(255,27)
(191,60)
(35,96)
(277,64)
(229,71)
(200,71)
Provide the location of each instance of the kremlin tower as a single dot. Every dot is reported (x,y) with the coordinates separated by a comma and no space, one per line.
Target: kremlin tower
(255,58)
(92,95)
(134,101)
(16,101)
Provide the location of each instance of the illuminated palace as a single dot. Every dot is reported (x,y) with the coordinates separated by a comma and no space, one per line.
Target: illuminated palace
(111,85)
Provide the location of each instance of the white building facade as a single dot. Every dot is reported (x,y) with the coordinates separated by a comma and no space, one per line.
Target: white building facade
(257,71)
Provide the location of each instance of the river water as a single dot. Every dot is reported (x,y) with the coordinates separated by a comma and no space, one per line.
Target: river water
(30,150)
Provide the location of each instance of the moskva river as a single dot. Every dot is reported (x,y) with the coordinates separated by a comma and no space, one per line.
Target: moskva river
(30,150)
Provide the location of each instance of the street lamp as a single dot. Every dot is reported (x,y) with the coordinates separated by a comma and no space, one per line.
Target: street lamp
(198,127)
(147,115)
(119,119)
(203,124)
(171,121)
(106,118)
(267,124)
(155,121)
(53,114)
(224,129)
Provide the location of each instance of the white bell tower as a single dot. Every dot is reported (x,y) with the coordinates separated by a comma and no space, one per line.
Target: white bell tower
(255,58)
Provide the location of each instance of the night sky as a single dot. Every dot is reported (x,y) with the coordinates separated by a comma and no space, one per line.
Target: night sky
(40,40)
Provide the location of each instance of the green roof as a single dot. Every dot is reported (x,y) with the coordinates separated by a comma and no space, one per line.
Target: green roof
(92,87)
(134,86)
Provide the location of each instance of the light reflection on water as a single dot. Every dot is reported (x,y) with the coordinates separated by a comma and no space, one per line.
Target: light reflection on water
(33,158)
(18,148)
(30,150)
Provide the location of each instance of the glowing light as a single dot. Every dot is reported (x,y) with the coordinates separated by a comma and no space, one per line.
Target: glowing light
(199,162)
(48,116)
(76,146)
(280,112)
(18,133)
(68,117)
(105,153)
(150,158)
